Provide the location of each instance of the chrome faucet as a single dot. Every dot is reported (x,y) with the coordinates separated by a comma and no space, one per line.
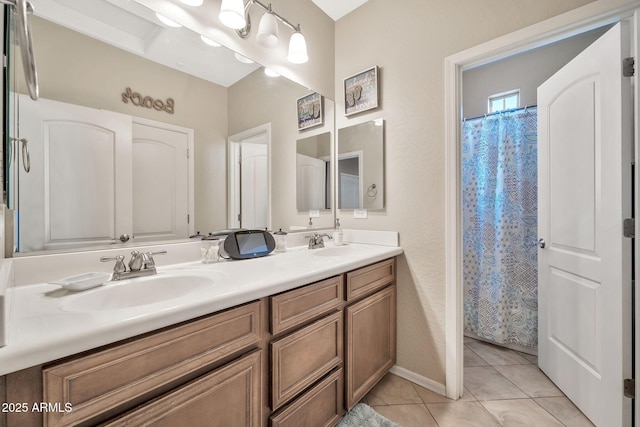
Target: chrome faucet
(140,264)
(316,240)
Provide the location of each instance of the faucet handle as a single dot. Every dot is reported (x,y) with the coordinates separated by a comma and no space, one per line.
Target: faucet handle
(119,267)
(148,258)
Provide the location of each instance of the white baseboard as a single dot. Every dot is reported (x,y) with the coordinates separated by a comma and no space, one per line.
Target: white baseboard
(419,379)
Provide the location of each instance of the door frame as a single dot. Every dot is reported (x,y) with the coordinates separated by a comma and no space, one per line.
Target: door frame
(232,172)
(569,24)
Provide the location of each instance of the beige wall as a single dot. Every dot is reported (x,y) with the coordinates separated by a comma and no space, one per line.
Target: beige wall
(80,70)
(258,99)
(409,41)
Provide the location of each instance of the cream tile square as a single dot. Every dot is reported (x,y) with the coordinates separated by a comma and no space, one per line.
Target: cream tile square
(393,390)
(564,410)
(485,383)
(520,412)
(407,415)
(429,396)
(530,357)
(461,414)
(530,379)
(471,358)
(496,355)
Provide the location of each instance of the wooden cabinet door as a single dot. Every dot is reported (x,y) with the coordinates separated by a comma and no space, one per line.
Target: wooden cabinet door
(228,396)
(321,406)
(303,357)
(370,334)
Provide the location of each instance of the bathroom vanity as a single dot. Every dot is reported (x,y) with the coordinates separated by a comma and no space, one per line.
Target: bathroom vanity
(295,339)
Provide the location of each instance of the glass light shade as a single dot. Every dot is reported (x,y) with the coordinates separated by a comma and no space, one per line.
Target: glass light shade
(297,49)
(208,41)
(192,2)
(268,31)
(269,72)
(232,14)
(167,21)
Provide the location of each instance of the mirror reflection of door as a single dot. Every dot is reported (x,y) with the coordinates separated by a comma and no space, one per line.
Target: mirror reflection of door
(250,181)
(310,182)
(349,180)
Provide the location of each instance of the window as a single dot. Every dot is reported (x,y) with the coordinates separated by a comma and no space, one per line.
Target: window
(504,101)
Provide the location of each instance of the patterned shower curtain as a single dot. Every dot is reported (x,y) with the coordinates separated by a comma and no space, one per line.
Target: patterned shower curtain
(499,179)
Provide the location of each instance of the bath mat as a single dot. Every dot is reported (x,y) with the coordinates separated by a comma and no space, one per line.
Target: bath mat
(363,415)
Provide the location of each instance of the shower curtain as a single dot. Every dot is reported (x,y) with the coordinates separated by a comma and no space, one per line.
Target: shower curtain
(500,264)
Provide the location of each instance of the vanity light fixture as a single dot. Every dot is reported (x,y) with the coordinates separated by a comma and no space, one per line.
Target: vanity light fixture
(234,14)
(209,42)
(268,30)
(297,48)
(167,21)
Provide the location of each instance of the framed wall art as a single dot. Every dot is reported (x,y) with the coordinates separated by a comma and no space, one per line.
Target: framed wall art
(310,111)
(361,91)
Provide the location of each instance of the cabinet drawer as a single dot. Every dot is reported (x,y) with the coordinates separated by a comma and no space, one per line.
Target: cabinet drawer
(120,377)
(368,279)
(294,308)
(228,396)
(301,358)
(321,406)
(370,326)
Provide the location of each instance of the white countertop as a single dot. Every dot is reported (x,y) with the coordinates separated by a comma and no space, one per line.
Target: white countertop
(46,325)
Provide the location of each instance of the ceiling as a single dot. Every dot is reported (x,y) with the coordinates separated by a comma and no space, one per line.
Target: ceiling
(135,28)
(336,9)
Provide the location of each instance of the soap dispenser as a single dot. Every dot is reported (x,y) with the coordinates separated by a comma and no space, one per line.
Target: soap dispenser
(281,240)
(338,237)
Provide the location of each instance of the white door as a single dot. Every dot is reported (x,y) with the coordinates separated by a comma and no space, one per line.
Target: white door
(310,183)
(585,140)
(80,160)
(254,185)
(350,197)
(160,181)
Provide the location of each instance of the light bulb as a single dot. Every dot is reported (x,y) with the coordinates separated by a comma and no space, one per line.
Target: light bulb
(297,49)
(232,14)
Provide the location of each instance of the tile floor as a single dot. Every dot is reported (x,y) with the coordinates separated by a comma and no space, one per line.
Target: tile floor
(502,388)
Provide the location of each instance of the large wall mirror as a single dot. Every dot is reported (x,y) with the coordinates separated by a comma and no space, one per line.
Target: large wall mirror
(135,131)
(360,174)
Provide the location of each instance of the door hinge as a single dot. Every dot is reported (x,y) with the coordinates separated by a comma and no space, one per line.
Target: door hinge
(188,154)
(188,219)
(630,388)
(239,217)
(628,67)
(629,227)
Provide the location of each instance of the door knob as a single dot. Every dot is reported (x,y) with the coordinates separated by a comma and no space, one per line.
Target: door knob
(542,243)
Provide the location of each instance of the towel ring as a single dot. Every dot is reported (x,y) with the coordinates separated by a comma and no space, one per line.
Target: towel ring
(372,191)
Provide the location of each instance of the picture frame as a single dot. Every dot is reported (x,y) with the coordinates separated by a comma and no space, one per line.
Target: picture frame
(361,91)
(310,111)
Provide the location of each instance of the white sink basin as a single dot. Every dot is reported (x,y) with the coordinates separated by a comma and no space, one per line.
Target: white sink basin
(335,251)
(137,292)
